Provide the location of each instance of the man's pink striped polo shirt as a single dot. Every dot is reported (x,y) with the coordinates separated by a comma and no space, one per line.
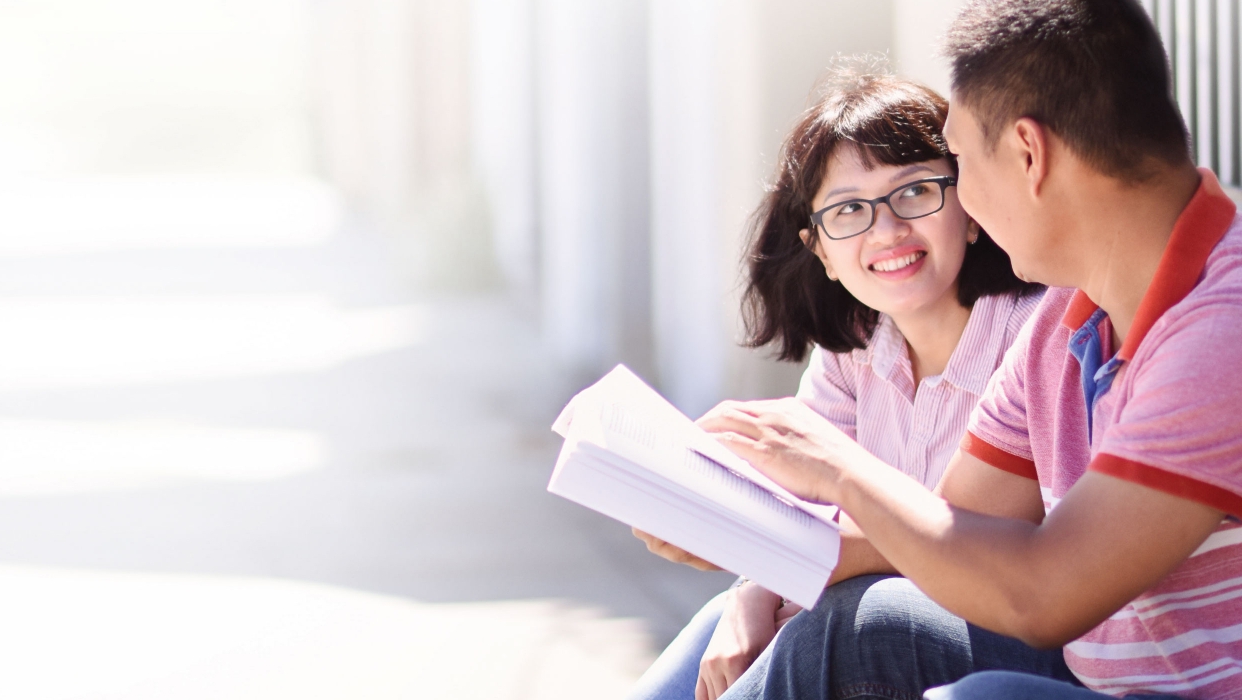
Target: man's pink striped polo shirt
(870,395)
(1172,420)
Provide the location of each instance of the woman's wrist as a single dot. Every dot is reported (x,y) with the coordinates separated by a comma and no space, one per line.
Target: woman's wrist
(751,594)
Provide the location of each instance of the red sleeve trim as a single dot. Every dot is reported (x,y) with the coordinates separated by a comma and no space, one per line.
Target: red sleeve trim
(1168,482)
(975,446)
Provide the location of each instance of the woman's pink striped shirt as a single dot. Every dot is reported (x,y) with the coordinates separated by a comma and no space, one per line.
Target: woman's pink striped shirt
(870,395)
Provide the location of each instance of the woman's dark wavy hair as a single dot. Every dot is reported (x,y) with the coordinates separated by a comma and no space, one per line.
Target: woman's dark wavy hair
(788,298)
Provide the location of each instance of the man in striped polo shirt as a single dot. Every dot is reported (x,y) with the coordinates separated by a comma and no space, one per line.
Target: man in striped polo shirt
(1094,502)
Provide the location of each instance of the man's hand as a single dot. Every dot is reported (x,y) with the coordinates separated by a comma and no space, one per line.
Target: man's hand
(751,617)
(789,442)
(674,554)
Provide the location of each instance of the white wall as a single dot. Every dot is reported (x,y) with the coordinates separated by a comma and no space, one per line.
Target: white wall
(918,27)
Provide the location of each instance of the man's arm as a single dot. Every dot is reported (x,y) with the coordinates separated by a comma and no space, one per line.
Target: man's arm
(972,484)
(1107,541)
(967,483)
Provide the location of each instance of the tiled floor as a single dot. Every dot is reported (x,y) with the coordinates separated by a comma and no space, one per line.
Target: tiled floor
(265,470)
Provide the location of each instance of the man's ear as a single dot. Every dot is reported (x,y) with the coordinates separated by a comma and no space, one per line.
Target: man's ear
(1030,140)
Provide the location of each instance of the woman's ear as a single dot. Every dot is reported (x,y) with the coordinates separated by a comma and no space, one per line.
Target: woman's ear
(805,235)
(972,231)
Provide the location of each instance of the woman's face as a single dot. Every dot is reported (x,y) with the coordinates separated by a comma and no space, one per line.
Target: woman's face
(898,266)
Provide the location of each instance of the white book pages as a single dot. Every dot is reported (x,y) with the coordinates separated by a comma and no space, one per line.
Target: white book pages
(637,459)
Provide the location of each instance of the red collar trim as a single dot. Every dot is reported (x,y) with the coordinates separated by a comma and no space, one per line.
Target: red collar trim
(1200,226)
(1079,310)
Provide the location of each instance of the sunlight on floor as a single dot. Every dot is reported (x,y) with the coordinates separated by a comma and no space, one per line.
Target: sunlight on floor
(94,341)
(180,212)
(39,457)
(72,634)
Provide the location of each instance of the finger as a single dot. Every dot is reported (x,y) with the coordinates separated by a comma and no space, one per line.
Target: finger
(700,689)
(740,445)
(735,420)
(714,686)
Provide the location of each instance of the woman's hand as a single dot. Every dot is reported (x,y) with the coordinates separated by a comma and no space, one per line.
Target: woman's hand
(789,442)
(674,554)
(750,620)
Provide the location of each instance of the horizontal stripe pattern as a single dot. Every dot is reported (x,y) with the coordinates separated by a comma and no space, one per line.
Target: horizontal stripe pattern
(1184,636)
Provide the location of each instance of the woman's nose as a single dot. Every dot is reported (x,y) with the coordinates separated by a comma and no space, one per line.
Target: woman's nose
(888,226)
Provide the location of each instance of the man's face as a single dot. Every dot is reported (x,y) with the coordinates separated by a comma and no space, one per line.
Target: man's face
(993,189)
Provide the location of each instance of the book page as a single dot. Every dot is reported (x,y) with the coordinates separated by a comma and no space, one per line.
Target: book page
(632,419)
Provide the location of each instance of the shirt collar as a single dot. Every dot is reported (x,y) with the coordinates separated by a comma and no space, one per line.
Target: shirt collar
(975,357)
(887,345)
(1200,226)
(980,344)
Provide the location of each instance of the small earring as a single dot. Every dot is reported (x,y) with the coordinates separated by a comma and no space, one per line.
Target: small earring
(973,239)
(832,276)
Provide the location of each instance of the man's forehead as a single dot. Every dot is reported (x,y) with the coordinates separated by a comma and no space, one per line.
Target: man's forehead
(958,121)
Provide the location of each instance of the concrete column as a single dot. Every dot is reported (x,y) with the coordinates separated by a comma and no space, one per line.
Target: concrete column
(504,134)
(395,120)
(728,79)
(592,165)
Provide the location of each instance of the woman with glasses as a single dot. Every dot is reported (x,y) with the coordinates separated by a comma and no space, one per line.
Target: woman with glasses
(862,255)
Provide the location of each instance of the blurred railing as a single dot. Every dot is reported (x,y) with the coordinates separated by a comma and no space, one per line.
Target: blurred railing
(1202,39)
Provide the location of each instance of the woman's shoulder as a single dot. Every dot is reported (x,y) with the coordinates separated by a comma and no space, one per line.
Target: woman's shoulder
(1024,305)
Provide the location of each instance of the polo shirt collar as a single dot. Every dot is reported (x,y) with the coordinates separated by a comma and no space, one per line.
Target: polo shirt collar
(1200,226)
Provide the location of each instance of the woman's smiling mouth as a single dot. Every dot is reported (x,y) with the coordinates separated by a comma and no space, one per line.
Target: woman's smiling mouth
(895,264)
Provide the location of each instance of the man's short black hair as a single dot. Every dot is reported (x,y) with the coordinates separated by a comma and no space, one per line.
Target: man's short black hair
(1092,71)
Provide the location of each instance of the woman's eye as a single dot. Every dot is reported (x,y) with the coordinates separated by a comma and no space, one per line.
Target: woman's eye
(915,190)
(848,209)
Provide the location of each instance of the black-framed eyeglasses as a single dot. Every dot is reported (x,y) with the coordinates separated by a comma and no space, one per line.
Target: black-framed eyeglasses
(912,200)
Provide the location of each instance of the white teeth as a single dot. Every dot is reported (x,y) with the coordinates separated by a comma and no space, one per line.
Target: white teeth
(896,263)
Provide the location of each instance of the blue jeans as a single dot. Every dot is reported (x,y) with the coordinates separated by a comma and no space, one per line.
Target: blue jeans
(674,675)
(880,637)
(1019,686)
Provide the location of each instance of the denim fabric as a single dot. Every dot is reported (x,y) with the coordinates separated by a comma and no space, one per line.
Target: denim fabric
(880,637)
(1020,686)
(674,675)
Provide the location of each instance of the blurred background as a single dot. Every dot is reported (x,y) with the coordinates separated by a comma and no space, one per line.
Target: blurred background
(291,291)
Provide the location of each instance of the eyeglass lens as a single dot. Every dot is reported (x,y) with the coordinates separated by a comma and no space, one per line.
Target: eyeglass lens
(909,202)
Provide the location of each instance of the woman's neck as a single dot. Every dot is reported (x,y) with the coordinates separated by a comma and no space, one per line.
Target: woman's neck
(932,335)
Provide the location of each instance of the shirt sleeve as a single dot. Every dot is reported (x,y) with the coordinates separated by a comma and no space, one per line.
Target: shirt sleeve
(829,386)
(1178,429)
(997,432)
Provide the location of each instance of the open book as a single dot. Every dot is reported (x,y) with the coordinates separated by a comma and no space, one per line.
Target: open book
(632,456)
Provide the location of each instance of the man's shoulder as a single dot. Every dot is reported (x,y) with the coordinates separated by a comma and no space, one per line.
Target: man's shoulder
(1044,330)
(1224,264)
(1214,306)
